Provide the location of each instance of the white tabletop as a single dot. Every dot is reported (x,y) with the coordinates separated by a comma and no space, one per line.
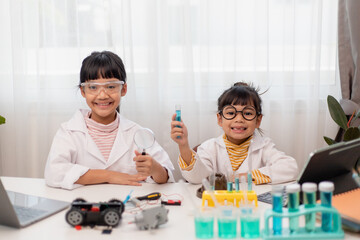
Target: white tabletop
(180,223)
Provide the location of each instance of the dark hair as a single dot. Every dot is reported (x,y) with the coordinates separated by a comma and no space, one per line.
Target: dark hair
(104,64)
(240,93)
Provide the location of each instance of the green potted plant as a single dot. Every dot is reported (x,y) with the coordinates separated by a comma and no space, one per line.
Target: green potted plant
(339,116)
(2,120)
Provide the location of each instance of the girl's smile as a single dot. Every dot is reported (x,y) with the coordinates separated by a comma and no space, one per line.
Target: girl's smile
(238,129)
(103,105)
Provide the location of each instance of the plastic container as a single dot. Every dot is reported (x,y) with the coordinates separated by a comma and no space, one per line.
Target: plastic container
(249,223)
(227,222)
(204,223)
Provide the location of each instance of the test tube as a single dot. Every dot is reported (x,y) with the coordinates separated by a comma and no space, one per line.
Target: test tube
(293,205)
(309,195)
(230,178)
(277,207)
(178,115)
(178,112)
(249,177)
(243,187)
(237,184)
(326,189)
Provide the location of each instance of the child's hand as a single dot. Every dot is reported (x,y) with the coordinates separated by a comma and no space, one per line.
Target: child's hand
(144,164)
(125,179)
(179,132)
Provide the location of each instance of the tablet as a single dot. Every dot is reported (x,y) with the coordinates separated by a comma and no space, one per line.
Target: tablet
(333,163)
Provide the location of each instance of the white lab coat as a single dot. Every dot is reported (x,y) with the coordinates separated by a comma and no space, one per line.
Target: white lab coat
(74,152)
(212,157)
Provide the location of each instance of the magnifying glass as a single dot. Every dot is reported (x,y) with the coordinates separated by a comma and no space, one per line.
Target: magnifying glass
(144,138)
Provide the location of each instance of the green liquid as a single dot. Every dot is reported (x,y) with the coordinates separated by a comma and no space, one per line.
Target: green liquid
(250,227)
(227,228)
(204,227)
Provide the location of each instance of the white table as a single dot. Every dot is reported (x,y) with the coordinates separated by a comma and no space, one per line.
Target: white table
(179,226)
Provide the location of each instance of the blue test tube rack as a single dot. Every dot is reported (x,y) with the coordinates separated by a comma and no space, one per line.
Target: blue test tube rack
(301,233)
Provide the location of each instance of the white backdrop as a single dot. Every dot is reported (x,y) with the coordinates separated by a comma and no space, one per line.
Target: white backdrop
(175,52)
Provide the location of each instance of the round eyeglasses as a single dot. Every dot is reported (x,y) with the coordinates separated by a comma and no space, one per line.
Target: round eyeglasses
(248,113)
(94,88)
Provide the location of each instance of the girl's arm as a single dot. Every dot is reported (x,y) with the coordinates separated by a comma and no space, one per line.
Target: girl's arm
(95,176)
(179,134)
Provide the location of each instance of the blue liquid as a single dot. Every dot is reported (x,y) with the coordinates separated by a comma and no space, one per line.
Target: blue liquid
(204,227)
(293,206)
(229,186)
(237,184)
(178,118)
(310,201)
(250,227)
(277,207)
(227,228)
(249,181)
(178,115)
(326,218)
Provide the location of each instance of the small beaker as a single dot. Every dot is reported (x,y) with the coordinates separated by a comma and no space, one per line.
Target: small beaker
(227,222)
(204,223)
(249,222)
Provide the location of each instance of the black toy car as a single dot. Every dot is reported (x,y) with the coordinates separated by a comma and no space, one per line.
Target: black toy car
(91,214)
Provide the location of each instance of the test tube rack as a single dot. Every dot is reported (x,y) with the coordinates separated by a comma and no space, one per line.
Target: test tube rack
(225,197)
(301,233)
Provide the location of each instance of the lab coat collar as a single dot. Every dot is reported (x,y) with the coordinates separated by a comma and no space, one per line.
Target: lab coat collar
(77,123)
(258,142)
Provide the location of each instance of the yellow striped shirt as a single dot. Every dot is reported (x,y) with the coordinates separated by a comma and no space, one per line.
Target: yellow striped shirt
(237,155)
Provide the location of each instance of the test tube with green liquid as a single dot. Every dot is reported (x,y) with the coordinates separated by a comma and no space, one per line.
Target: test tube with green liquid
(326,189)
(293,205)
(309,195)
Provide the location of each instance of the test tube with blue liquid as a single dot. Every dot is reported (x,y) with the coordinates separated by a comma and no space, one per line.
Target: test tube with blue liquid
(229,178)
(326,191)
(293,205)
(249,174)
(178,115)
(277,192)
(309,195)
(237,184)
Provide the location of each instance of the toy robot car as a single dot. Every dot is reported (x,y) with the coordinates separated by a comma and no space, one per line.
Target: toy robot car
(91,214)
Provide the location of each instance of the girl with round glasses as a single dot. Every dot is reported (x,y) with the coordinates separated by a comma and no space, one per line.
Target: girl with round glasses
(97,145)
(239,115)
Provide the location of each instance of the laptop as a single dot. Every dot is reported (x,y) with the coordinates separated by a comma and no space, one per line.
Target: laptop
(19,210)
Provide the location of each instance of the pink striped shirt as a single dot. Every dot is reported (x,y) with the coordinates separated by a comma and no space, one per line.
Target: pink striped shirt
(103,135)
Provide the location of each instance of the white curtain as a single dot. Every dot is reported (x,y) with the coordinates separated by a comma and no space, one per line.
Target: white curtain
(175,52)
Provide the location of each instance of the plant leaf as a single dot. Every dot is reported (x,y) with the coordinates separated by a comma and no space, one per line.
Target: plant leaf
(336,112)
(2,120)
(329,141)
(351,133)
